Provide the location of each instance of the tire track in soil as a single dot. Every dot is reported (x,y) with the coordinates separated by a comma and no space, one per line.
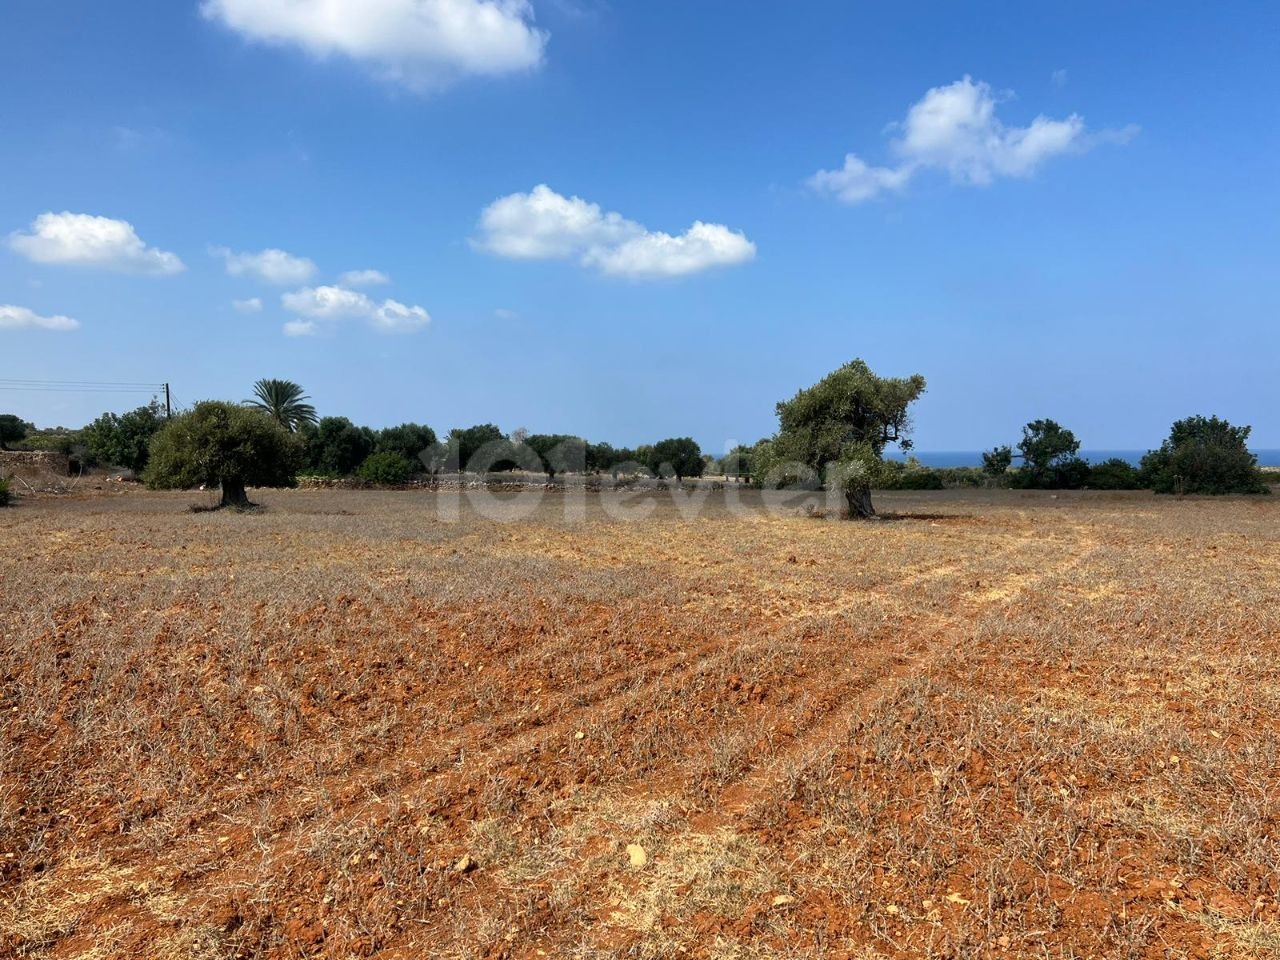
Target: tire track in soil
(597,698)
(364,783)
(738,804)
(502,741)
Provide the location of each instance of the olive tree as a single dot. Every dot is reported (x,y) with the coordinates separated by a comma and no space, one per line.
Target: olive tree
(465,443)
(13,429)
(680,456)
(408,440)
(559,453)
(841,425)
(225,445)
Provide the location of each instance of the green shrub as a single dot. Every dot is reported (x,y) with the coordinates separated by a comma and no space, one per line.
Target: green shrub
(336,445)
(124,440)
(1114,474)
(389,468)
(1204,455)
(1067,473)
(923,479)
(969,477)
(56,440)
(912,475)
(5,495)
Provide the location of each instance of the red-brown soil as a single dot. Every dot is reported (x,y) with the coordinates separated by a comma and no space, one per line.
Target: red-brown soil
(1007,725)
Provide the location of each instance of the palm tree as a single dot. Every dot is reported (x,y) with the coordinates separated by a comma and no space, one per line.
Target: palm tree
(284,401)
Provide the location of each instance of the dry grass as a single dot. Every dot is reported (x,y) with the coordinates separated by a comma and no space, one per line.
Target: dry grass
(1004,725)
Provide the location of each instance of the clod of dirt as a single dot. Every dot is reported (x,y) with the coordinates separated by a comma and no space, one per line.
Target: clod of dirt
(637,856)
(464,865)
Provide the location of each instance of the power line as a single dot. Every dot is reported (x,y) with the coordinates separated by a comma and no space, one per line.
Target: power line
(135,384)
(133,390)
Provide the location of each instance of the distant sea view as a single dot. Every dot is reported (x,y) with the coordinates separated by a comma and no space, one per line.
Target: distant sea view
(973,458)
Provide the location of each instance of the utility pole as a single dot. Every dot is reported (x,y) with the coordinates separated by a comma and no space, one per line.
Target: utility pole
(168,404)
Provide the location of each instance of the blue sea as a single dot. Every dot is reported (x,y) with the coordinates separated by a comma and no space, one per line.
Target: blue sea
(967,458)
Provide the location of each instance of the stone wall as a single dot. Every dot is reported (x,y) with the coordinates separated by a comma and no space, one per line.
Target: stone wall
(34,463)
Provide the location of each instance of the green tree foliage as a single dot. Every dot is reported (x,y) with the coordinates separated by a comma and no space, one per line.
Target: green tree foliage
(1114,474)
(737,463)
(1049,462)
(12,430)
(601,456)
(678,456)
(560,453)
(605,458)
(409,440)
(56,440)
(124,440)
(466,442)
(337,446)
(226,445)
(912,475)
(840,426)
(766,466)
(5,496)
(996,463)
(386,467)
(1204,455)
(284,402)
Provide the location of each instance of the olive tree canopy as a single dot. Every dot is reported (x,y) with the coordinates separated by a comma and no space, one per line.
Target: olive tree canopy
(840,426)
(226,445)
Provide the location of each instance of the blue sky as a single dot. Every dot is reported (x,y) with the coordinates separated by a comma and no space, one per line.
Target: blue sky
(1112,265)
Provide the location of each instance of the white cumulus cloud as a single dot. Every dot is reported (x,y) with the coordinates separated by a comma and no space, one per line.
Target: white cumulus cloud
(545,225)
(20,318)
(955,129)
(80,239)
(364,278)
(857,180)
(421,44)
(318,308)
(395,317)
(328,303)
(252,305)
(269,266)
(658,254)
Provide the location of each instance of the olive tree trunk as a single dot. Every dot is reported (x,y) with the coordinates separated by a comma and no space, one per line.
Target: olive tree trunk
(233,493)
(859,501)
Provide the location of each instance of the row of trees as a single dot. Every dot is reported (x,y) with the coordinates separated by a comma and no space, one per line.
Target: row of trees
(833,433)
(1200,455)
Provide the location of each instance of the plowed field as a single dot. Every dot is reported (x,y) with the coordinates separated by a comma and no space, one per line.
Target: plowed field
(995,725)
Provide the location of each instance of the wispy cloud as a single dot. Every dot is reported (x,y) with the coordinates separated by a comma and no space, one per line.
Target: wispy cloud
(21,318)
(270,266)
(364,278)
